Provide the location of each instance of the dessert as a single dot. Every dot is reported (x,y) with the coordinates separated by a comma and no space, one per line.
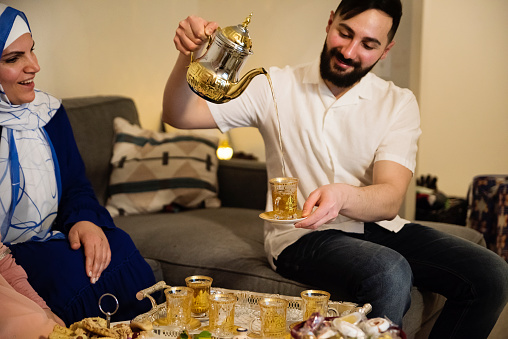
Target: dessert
(96,328)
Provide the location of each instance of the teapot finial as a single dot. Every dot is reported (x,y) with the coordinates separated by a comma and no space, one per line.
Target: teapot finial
(247,21)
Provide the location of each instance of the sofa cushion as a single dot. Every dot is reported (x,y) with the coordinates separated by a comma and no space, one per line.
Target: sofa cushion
(92,123)
(154,169)
(224,243)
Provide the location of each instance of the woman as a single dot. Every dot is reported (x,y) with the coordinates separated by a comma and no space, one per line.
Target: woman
(23,313)
(50,218)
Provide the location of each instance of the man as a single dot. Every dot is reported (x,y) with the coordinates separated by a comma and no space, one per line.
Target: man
(351,139)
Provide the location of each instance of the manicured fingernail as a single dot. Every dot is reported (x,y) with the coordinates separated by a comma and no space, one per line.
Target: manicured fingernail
(94,280)
(90,274)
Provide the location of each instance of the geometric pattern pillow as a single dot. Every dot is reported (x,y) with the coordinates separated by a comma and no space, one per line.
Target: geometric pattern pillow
(152,170)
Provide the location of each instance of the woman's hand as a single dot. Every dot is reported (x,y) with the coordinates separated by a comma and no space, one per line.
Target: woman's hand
(95,246)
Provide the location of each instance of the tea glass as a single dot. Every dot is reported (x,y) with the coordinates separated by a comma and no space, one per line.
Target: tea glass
(200,284)
(221,314)
(178,301)
(284,197)
(272,316)
(316,301)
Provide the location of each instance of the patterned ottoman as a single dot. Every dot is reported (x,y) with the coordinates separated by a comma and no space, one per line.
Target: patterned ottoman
(488,211)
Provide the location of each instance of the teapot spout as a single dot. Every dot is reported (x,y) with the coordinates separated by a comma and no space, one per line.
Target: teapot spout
(237,88)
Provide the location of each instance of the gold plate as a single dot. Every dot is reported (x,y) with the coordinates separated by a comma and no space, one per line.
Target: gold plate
(269,216)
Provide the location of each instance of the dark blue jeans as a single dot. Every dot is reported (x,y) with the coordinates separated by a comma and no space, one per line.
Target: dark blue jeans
(380,267)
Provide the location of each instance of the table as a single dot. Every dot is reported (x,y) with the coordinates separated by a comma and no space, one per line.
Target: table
(246,309)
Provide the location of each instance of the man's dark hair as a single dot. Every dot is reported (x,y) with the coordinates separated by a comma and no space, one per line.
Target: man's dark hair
(350,8)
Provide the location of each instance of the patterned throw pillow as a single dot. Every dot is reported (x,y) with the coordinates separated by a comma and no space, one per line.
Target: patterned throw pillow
(152,170)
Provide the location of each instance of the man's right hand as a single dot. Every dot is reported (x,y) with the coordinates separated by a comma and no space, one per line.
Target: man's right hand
(192,33)
(182,108)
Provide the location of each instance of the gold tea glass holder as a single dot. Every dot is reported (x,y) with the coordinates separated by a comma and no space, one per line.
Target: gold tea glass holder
(222,314)
(201,285)
(272,319)
(284,197)
(316,301)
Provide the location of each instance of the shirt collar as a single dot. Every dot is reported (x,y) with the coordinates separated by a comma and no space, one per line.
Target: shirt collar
(362,90)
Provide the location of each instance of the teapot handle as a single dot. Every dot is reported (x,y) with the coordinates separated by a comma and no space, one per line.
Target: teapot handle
(210,40)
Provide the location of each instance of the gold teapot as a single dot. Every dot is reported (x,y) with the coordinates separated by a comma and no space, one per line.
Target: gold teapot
(214,75)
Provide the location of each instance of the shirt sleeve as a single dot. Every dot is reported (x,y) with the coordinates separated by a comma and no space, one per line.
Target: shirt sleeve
(247,109)
(78,201)
(16,276)
(400,144)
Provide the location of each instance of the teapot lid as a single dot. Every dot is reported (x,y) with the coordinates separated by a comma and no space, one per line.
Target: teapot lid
(239,34)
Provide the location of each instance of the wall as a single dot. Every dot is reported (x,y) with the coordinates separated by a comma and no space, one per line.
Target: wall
(126,47)
(463,91)
(448,51)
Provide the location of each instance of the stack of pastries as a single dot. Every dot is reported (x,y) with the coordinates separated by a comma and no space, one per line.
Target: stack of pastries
(96,328)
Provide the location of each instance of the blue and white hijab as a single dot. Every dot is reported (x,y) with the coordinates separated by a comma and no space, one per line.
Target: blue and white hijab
(29,172)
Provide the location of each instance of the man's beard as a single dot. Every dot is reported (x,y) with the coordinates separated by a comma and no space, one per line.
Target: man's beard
(337,76)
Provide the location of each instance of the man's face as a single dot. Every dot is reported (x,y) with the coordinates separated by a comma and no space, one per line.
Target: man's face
(353,47)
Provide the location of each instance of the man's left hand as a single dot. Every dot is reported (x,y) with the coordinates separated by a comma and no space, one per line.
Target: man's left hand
(329,200)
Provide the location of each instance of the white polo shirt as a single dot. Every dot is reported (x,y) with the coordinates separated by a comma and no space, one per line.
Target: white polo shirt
(325,140)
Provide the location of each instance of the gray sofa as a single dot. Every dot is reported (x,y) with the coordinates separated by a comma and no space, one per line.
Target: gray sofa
(225,243)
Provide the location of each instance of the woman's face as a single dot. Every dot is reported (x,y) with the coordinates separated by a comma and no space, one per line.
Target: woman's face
(18,66)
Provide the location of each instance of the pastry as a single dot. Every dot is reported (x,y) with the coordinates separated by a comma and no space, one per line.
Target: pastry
(96,328)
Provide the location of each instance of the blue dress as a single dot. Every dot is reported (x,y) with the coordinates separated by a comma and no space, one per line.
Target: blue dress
(57,272)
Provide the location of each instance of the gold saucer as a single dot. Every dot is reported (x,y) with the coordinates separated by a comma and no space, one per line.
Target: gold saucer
(269,216)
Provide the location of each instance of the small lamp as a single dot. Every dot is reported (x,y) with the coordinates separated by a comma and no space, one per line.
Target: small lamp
(224,151)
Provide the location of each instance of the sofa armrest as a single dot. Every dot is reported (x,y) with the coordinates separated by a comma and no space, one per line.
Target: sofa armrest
(242,183)
(457,230)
